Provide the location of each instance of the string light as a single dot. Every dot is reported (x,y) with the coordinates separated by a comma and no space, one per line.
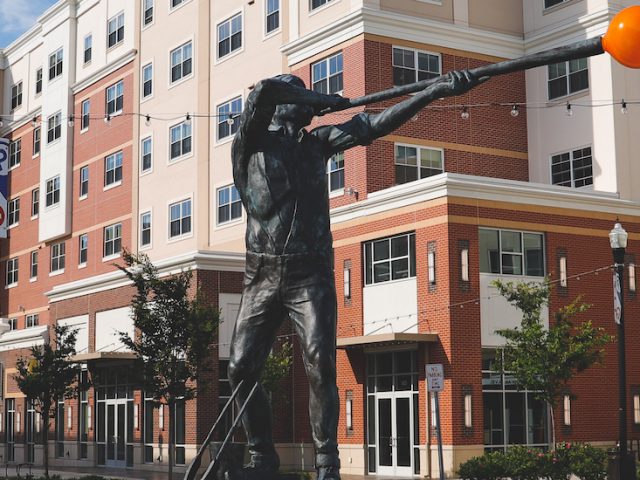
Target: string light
(107,119)
(230,120)
(569,110)
(147,120)
(1,122)
(34,122)
(187,120)
(71,121)
(515,111)
(465,113)
(623,108)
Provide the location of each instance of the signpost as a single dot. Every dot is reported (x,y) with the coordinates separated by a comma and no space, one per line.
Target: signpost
(435,384)
(4,190)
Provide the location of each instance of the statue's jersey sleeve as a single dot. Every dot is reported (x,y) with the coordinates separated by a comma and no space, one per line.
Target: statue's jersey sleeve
(357,131)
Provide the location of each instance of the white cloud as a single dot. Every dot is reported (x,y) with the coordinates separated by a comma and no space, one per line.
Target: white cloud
(17,16)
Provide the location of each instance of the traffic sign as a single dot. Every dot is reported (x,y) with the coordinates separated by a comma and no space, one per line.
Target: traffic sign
(435,377)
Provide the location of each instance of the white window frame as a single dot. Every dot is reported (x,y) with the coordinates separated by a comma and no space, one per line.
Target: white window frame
(111,241)
(335,159)
(232,52)
(118,21)
(35,203)
(521,253)
(113,93)
(411,262)
(37,141)
(87,48)
(181,205)
(116,169)
(144,246)
(567,76)
(33,266)
(55,184)
(182,126)
(324,4)
(327,65)
(85,115)
(58,58)
(38,83)
(13,212)
(267,32)
(148,65)
(16,95)
(183,77)
(545,7)
(83,188)
(54,127)
(572,159)
(11,272)
(83,250)
(416,53)
(15,153)
(173,8)
(230,191)
(418,166)
(224,114)
(146,8)
(32,320)
(57,258)
(146,140)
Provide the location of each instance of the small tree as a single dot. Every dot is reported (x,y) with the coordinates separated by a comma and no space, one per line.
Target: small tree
(277,367)
(544,360)
(174,335)
(47,376)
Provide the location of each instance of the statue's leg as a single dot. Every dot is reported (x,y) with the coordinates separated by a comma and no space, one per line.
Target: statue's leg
(258,320)
(311,301)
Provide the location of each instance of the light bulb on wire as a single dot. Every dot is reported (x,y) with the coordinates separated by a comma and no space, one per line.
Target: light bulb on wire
(34,122)
(623,107)
(515,111)
(71,121)
(187,120)
(465,113)
(107,119)
(569,110)
(147,120)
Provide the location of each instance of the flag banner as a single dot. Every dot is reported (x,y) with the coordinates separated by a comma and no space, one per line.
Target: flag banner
(4,185)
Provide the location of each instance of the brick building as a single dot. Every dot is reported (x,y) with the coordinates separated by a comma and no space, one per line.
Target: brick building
(125,129)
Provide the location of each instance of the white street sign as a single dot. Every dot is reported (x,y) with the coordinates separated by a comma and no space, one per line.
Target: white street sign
(435,377)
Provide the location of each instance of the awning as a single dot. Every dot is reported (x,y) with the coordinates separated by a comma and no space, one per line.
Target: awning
(385,339)
(104,356)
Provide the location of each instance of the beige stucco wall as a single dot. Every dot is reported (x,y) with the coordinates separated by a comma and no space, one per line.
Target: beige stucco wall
(504,16)
(421,9)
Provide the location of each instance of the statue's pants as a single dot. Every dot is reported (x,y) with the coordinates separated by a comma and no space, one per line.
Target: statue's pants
(303,288)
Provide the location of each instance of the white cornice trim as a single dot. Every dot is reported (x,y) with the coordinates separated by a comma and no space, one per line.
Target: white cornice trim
(484,188)
(405,27)
(104,71)
(199,260)
(23,120)
(34,33)
(25,338)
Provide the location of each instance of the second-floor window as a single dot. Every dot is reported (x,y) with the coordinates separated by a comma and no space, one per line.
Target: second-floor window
(84,181)
(16,95)
(54,127)
(115,98)
(85,119)
(508,252)
(55,64)
(230,35)
(39,81)
(227,117)
(413,163)
(53,191)
(388,259)
(15,153)
(113,169)
(147,16)
(181,62)
(229,204)
(410,66)
(272,15)
(566,78)
(335,172)
(327,75)
(147,80)
(180,140)
(112,240)
(12,271)
(13,214)
(88,48)
(147,154)
(180,218)
(115,30)
(572,169)
(32,320)
(57,257)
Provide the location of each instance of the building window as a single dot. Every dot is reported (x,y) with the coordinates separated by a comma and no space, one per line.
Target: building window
(414,163)
(551,3)
(38,81)
(335,172)
(273,15)
(318,3)
(180,140)
(112,240)
(12,272)
(511,417)
(15,153)
(180,218)
(572,169)
(60,433)
(37,134)
(33,272)
(13,214)
(16,95)
(327,75)
(57,257)
(508,252)
(32,320)
(180,431)
(84,181)
(53,191)
(388,259)
(10,428)
(181,62)
(85,120)
(410,66)
(113,169)
(83,248)
(147,17)
(84,415)
(230,35)
(35,202)
(569,77)
(147,80)
(55,64)
(115,98)
(13,324)
(175,3)
(229,204)
(227,114)
(145,229)
(54,127)
(115,30)
(147,154)
(88,47)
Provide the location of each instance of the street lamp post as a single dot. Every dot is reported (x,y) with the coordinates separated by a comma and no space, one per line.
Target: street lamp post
(618,240)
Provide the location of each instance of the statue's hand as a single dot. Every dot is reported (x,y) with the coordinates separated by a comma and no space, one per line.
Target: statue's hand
(461,81)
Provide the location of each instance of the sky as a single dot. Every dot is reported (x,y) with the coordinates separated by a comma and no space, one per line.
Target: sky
(17,16)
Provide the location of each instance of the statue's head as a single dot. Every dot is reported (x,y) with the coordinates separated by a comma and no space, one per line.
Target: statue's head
(300,115)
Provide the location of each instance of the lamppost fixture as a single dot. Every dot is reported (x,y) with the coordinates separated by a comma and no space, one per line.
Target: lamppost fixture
(618,240)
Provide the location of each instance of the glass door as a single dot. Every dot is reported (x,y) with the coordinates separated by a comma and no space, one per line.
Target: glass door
(116,421)
(395,434)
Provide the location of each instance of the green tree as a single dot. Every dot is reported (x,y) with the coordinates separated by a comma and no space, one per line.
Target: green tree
(47,376)
(276,368)
(174,333)
(541,359)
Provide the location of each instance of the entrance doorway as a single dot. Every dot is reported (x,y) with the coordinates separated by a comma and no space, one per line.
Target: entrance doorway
(395,435)
(114,421)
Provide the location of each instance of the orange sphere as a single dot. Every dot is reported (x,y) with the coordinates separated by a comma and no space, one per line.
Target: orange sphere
(622,39)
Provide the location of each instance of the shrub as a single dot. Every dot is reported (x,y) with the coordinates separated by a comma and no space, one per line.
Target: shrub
(490,466)
(587,462)
(524,463)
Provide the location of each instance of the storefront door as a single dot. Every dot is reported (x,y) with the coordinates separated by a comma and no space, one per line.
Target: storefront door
(395,434)
(116,419)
